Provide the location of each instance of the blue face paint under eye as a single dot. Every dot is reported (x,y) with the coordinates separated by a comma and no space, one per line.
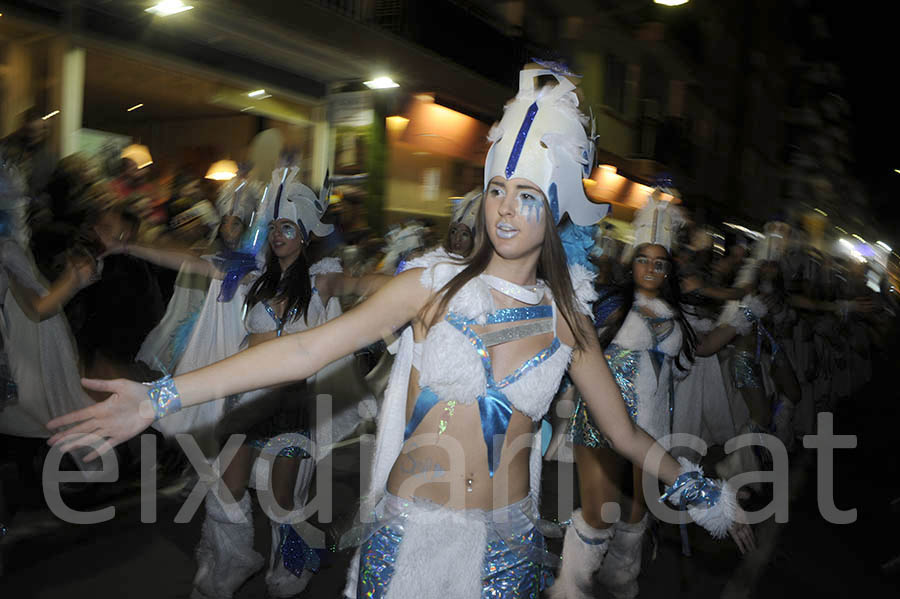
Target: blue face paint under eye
(530,207)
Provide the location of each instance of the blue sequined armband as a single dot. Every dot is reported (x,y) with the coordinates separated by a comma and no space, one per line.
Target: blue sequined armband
(164,397)
(695,489)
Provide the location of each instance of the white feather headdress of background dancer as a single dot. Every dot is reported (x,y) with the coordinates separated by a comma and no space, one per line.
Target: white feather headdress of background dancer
(542,138)
(658,221)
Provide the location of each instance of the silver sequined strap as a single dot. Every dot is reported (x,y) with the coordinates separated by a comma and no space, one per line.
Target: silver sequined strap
(516,332)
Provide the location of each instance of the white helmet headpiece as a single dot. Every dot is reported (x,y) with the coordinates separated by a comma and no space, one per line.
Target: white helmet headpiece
(541,137)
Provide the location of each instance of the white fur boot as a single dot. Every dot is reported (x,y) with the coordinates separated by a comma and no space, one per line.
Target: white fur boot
(289,546)
(225,555)
(619,572)
(583,550)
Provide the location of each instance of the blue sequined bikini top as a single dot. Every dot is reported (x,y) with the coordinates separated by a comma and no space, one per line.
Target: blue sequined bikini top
(456,366)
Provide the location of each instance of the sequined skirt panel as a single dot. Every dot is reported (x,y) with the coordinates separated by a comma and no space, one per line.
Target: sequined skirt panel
(746,370)
(623,364)
(512,567)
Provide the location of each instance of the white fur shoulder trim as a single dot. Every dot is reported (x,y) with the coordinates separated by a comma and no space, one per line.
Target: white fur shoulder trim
(655,305)
(583,284)
(326,266)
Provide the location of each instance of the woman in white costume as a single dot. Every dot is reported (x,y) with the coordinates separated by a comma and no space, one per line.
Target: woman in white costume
(38,360)
(456,470)
(283,297)
(165,344)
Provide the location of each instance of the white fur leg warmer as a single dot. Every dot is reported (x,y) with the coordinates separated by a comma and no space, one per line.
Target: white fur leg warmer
(619,573)
(583,550)
(225,554)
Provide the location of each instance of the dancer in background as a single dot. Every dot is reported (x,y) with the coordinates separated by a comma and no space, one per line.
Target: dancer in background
(284,296)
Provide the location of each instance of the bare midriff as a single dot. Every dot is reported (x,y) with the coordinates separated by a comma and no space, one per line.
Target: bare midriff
(445,459)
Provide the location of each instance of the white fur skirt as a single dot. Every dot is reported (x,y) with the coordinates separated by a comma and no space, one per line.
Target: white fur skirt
(420,549)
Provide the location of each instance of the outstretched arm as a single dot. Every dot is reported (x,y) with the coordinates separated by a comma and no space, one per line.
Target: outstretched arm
(129,410)
(78,274)
(591,375)
(341,285)
(174,259)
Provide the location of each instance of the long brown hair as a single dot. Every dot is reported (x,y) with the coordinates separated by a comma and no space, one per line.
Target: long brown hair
(552,268)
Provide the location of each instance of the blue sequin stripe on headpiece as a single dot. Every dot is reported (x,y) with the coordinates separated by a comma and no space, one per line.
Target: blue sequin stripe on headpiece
(278,195)
(520,140)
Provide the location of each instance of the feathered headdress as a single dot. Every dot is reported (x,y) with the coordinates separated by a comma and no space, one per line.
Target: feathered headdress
(294,201)
(542,138)
(465,209)
(658,221)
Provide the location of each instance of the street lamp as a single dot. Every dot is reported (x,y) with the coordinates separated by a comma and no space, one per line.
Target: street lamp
(382,82)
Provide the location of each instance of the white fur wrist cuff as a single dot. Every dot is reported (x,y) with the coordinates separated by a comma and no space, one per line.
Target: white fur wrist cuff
(711,503)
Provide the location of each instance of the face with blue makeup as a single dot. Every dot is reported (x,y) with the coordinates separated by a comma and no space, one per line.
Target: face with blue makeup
(515,214)
(285,238)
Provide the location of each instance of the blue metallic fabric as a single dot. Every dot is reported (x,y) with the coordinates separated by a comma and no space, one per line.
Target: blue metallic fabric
(279,323)
(557,66)
(427,399)
(695,489)
(746,370)
(285,445)
(295,552)
(376,563)
(235,264)
(164,397)
(623,363)
(577,242)
(494,406)
(506,315)
(506,573)
(520,140)
(610,300)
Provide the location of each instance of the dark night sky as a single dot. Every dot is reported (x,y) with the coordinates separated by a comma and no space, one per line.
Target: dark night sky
(866,42)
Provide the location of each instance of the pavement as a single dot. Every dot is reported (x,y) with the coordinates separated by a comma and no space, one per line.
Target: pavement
(45,558)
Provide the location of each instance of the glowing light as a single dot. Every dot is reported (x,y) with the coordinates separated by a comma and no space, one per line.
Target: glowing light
(259,94)
(840,229)
(50,115)
(139,154)
(745,230)
(671,2)
(135,107)
(823,213)
(223,170)
(883,246)
(608,168)
(166,8)
(846,242)
(858,238)
(897,170)
(382,82)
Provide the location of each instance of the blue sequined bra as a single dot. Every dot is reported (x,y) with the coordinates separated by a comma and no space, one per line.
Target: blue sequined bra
(494,402)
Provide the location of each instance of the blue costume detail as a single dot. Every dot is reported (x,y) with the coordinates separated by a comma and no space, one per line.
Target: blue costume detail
(520,140)
(494,407)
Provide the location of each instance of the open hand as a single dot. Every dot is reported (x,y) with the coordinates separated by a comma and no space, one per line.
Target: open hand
(743,537)
(123,415)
